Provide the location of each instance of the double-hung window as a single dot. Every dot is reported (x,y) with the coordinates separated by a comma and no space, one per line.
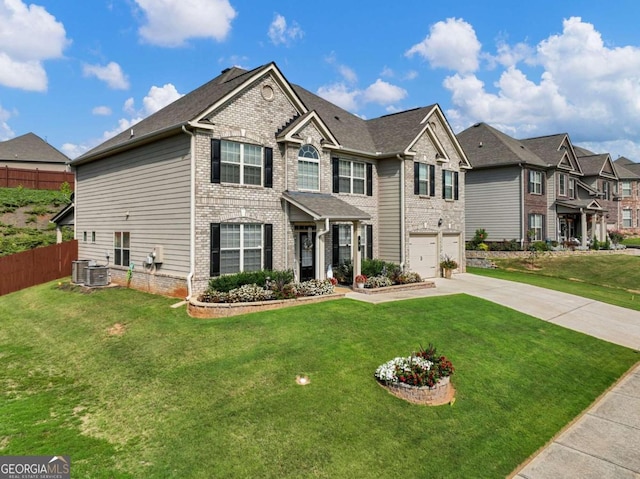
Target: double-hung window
(626,189)
(424,179)
(535,182)
(237,247)
(536,227)
(449,185)
(352,177)
(344,242)
(121,248)
(241,163)
(606,190)
(572,188)
(562,184)
(627,220)
(308,168)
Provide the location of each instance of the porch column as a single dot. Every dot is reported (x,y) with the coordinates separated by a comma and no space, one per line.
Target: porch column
(603,227)
(583,228)
(321,271)
(58,234)
(594,226)
(355,250)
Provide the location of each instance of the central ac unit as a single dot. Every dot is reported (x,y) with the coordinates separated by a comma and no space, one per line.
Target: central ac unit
(97,276)
(78,274)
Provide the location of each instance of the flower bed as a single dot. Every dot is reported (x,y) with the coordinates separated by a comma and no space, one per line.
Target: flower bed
(422,378)
(396,287)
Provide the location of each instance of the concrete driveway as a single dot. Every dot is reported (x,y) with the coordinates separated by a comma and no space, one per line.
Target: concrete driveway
(602,443)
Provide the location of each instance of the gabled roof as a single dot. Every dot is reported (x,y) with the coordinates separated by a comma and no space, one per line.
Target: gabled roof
(387,135)
(30,148)
(597,165)
(555,150)
(487,147)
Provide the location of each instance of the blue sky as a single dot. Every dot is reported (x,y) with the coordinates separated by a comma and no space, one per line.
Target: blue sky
(77,72)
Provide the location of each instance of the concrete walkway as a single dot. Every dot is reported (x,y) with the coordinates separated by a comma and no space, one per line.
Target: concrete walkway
(602,443)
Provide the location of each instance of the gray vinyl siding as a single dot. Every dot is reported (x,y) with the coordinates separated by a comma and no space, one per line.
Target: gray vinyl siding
(493,202)
(152,184)
(389,210)
(551,217)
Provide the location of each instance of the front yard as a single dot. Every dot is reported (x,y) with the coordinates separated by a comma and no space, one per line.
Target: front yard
(129,387)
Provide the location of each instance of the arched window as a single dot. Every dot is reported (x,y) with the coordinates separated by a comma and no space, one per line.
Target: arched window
(308,168)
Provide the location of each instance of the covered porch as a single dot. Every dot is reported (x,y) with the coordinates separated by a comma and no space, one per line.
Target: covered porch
(311,216)
(581,220)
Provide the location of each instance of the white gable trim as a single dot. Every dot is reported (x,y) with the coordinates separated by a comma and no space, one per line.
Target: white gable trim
(312,117)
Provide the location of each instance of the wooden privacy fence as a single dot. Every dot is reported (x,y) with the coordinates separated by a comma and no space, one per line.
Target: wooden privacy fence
(34,179)
(36,266)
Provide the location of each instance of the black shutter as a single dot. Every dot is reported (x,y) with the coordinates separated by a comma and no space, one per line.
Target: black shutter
(443,183)
(432,180)
(416,178)
(214,267)
(369,241)
(369,179)
(529,184)
(268,246)
(456,194)
(336,175)
(543,180)
(268,167)
(335,246)
(215,160)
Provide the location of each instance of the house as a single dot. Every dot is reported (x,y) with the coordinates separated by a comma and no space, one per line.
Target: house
(29,151)
(629,195)
(530,190)
(250,171)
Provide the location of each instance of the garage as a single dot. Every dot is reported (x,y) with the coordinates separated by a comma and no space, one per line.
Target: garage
(423,255)
(451,246)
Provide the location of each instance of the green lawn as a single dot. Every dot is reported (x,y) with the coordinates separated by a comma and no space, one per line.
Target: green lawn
(631,241)
(176,397)
(610,278)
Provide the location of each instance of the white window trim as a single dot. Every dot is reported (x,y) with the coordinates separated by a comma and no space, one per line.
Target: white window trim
(121,248)
(448,175)
(241,247)
(352,177)
(425,181)
(629,189)
(305,159)
(534,227)
(349,229)
(563,188)
(535,179)
(242,163)
(630,218)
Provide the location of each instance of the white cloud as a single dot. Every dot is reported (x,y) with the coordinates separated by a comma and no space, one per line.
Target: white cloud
(451,44)
(387,72)
(73,151)
(348,73)
(101,110)
(281,34)
(577,84)
(6,132)
(170,23)
(383,93)
(340,95)
(29,35)
(111,74)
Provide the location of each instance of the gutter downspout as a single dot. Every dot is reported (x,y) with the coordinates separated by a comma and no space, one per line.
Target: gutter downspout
(192,219)
(402,211)
(321,252)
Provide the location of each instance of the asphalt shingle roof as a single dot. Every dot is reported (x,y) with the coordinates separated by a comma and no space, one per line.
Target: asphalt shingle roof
(487,147)
(592,165)
(30,147)
(547,147)
(322,206)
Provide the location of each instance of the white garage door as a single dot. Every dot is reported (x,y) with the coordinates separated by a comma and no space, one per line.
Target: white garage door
(423,255)
(451,246)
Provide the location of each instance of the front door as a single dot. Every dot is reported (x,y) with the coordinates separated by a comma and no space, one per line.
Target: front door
(307,255)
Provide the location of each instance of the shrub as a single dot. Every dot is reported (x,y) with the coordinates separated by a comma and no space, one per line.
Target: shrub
(539,246)
(315,287)
(407,277)
(482,247)
(505,245)
(376,267)
(229,282)
(616,236)
(379,281)
(344,272)
(422,368)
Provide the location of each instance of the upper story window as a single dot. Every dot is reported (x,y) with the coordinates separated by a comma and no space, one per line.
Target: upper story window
(626,189)
(121,248)
(449,185)
(308,168)
(572,188)
(424,179)
(606,190)
(351,176)
(562,184)
(241,163)
(535,182)
(627,220)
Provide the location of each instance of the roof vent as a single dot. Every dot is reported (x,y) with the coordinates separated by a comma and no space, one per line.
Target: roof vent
(480,145)
(337,117)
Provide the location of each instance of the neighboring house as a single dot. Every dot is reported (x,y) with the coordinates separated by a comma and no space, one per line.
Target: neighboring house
(249,172)
(531,189)
(629,195)
(29,151)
